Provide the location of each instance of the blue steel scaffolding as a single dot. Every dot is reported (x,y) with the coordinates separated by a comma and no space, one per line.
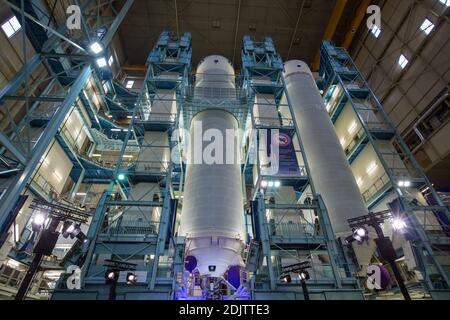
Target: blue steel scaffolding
(280,240)
(123,225)
(343,86)
(135,219)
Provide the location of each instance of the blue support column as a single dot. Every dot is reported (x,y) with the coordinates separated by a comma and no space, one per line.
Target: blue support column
(265,239)
(162,236)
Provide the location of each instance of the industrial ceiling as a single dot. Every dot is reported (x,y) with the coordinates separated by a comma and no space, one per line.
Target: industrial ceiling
(217,26)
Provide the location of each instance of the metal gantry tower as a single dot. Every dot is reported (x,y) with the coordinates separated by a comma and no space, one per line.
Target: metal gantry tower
(38,103)
(393,179)
(289,219)
(135,219)
(120,153)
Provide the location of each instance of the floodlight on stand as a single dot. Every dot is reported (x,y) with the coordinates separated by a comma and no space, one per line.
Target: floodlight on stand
(111,276)
(304,275)
(264,184)
(360,234)
(349,239)
(68,228)
(131,278)
(398,224)
(39,218)
(286,278)
(38,221)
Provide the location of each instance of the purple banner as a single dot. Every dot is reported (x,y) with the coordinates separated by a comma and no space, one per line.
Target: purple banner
(287,158)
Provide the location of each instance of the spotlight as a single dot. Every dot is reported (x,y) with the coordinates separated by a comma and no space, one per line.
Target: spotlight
(349,239)
(286,278)
(101,62)
(271,184)
(277,184)
(38,221)
(96,47)
(111,276)
(404,184)
(73,230)
(131,278)
(264,184)
(68,228)
(398,224)
(121,177)
(360,234)
(76,229)
(304,275)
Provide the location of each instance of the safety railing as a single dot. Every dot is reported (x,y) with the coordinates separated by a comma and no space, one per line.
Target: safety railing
(42,184)
(214,93)
(293,230)
(273,122)
(355,142)
(131,226)
(380,185)
(395,164)
(156,117)
(145,167)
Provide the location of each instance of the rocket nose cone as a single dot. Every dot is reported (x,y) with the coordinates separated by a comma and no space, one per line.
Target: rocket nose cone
(295,66)
(215,62)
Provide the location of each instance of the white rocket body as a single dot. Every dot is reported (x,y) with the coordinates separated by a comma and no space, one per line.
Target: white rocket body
(330,172)
(212,219)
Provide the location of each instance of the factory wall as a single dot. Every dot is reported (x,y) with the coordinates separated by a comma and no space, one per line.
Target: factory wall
(55,167)
(75,129)
(164,107)
(407,94)
(366,160)
(155,152)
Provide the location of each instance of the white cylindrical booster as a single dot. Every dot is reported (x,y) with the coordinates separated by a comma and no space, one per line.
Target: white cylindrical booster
(212,218)
(330,171)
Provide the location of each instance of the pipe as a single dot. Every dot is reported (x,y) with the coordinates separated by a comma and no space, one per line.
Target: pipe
(236,29)
(295,29)
(330,172)
(177,24)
